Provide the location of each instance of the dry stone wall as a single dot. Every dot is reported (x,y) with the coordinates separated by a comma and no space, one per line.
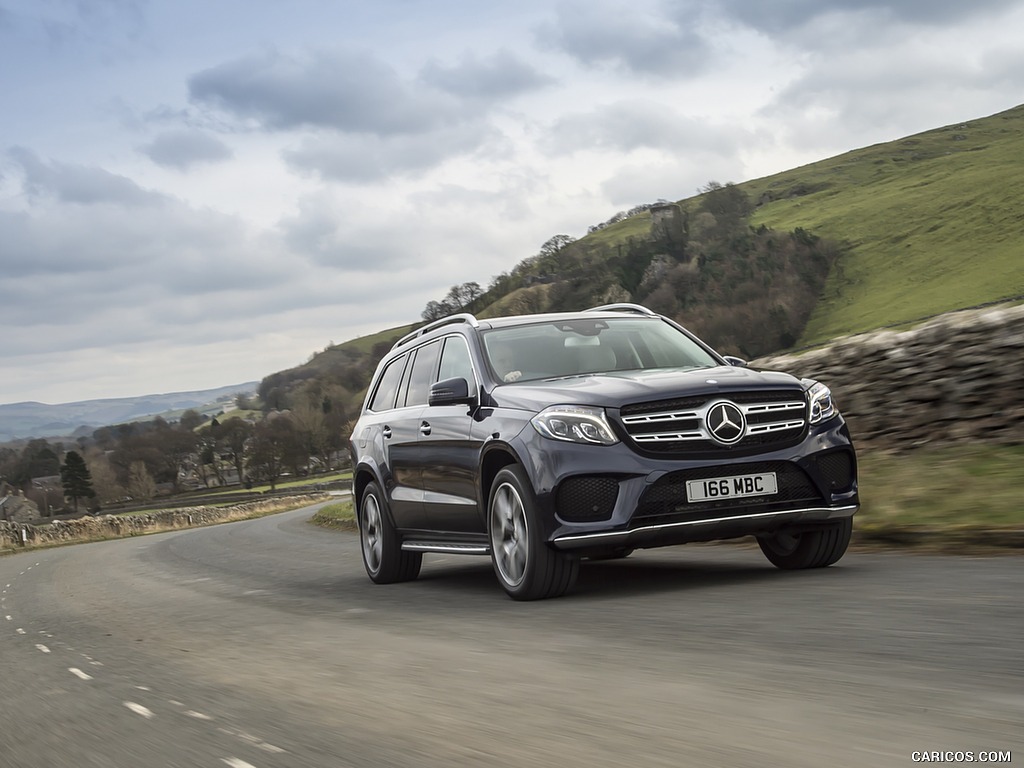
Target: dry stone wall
(13,535)
(957,378)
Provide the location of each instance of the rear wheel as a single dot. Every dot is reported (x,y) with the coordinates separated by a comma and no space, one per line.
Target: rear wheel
(385,560)
(526,567)
(816,548)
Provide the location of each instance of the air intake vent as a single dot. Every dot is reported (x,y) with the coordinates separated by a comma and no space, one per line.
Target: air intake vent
(586,499)
(836,470)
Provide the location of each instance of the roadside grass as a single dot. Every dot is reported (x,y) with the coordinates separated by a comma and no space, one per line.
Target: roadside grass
(949,490)
(338,516)
(298,482)
(334,477)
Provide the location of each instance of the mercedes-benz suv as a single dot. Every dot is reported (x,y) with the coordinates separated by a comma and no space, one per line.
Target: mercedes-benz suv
(540,440)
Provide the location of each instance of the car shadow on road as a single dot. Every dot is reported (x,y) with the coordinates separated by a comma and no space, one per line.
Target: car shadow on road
(637,575)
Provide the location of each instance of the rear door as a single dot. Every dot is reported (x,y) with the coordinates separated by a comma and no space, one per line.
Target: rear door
(392,430)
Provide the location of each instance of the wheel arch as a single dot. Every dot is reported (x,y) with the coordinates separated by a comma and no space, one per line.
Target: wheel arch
(364,475)
(493,461)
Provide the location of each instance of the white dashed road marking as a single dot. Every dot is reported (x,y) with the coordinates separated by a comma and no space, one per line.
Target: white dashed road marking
(20,631)
(79,673)
(138,709)
(42,648)
(198,715)
(7,617)
(234,762)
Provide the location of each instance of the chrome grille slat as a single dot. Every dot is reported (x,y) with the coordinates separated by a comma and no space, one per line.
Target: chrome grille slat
(658,436)
(771,407)
(661,416)
(760,429)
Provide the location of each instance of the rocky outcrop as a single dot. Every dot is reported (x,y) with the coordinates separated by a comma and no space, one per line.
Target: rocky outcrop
(957,378)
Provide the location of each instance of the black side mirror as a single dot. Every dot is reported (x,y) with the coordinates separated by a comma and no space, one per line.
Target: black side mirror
(450,392)
(736,362)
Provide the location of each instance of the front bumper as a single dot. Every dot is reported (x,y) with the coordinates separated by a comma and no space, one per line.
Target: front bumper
(643,502)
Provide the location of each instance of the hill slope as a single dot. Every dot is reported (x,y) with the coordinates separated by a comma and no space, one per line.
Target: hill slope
(18,420)
(934,222)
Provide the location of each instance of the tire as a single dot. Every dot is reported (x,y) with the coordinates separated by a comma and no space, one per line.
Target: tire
(526,566)
(817,548)
(383,557)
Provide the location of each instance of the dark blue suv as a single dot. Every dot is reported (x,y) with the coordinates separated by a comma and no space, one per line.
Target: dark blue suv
(543,439)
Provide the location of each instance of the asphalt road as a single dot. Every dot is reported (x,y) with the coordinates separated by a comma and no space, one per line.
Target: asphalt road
(262,643)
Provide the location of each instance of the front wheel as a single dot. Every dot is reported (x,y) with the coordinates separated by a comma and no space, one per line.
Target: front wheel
(816,548)
(526,567)
(385,560)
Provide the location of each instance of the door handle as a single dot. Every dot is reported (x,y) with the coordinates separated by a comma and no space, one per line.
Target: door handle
(386,432)
(425,428)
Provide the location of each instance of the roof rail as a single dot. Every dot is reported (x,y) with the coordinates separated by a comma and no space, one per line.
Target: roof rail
(463,317)
(636,309)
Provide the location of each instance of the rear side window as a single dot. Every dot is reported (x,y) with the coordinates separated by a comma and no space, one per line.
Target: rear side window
(424,366)
(387,387)
(455,362)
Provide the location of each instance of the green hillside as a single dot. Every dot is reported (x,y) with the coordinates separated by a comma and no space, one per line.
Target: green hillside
(934,222)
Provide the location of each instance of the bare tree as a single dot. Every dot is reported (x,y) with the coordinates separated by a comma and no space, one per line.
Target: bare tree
(141,484)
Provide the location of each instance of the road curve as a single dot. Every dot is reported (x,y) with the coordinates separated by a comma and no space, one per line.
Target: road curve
(262,643)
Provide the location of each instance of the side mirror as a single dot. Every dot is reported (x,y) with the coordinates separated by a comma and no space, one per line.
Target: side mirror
(450,392)
(736,362)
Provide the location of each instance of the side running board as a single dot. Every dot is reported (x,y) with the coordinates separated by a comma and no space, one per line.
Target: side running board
(446,547)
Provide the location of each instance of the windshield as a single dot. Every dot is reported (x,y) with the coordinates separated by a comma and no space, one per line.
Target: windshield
(572,347)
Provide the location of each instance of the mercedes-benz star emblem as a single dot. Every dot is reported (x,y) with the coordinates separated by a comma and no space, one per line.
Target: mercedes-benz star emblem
(725,422)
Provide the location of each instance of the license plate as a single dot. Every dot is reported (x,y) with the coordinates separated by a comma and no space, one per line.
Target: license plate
(734,487)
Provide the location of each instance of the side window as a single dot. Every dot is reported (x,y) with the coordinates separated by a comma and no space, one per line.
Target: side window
(455,362)
(387,387)
(424,365)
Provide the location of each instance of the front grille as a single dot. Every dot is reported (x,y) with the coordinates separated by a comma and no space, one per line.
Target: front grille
(679,427)
(587,499)
(665,501)
(836,470)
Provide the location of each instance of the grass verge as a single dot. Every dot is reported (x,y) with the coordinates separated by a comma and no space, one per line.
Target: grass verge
(338,516)
(952,498)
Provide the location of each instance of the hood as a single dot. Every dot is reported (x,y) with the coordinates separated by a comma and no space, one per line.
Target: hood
(617,388)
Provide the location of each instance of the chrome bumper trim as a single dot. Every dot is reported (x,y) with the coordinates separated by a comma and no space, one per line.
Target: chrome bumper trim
(808,514)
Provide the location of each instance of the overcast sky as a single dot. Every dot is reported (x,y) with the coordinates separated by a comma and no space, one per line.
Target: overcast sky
(197,194)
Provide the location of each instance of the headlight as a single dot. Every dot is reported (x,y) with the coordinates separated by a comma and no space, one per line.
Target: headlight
(822,407)
(575,424)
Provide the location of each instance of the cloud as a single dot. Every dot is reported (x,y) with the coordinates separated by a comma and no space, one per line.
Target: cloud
(184,149)
(787,16)
(71,183)
(630,37)
(497,77)
(368,158)
(668,179)
(900,81)
(636,124)
(346,91)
